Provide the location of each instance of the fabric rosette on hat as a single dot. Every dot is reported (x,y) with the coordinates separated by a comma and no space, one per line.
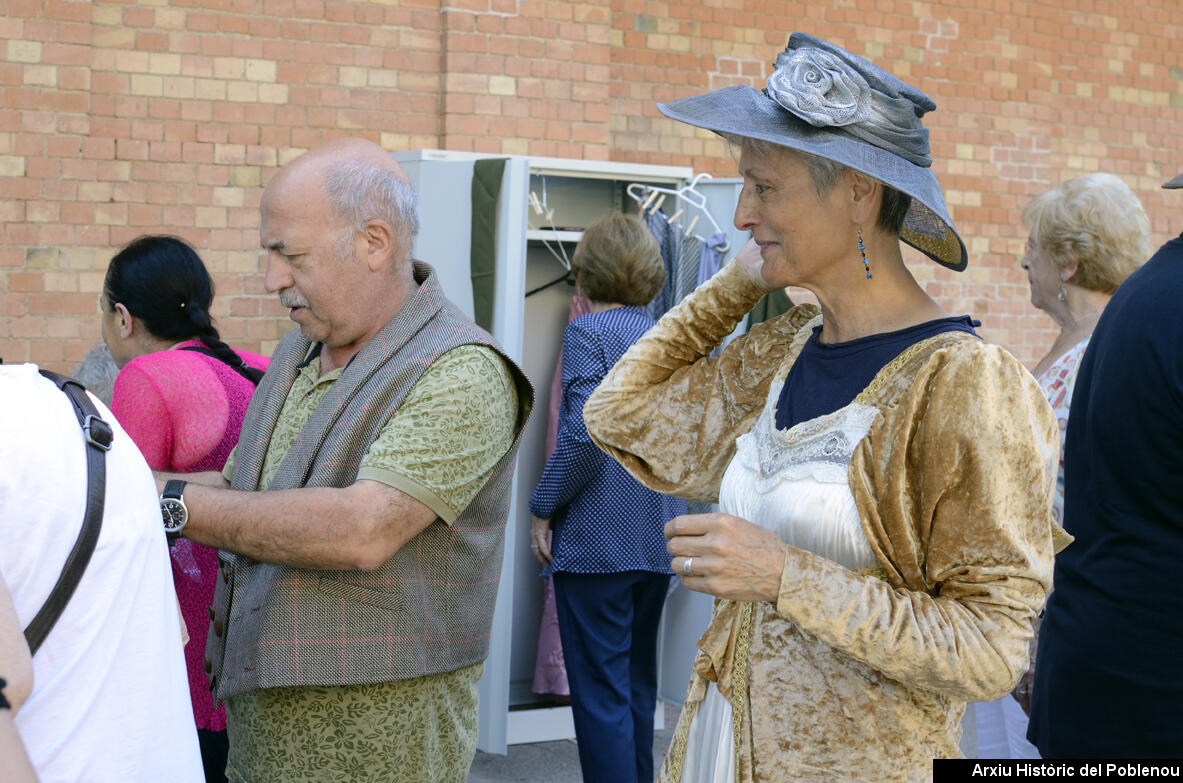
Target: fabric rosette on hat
(825,101)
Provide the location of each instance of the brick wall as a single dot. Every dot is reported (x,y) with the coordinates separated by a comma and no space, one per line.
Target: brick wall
(120,118)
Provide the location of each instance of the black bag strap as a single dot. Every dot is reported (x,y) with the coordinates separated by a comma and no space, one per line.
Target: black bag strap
(242,368)
(98,435)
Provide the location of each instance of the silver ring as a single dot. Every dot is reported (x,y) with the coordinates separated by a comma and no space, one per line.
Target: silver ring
(534,547)
(686,566)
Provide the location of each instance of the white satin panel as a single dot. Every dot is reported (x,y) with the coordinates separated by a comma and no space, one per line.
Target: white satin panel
(793,482)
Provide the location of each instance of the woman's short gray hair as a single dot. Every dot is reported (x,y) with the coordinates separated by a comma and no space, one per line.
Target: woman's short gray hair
(824,174)
(1094,221)
(360,191)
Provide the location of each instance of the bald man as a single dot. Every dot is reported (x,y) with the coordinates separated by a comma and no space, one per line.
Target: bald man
(361,515)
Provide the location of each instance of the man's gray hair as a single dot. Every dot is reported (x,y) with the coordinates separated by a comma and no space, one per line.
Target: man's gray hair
(360,192)
(97,372)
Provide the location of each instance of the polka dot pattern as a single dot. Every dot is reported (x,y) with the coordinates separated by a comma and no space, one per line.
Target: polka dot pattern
(604,520)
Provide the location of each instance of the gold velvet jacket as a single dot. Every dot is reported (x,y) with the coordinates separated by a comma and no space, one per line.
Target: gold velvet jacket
(854,676)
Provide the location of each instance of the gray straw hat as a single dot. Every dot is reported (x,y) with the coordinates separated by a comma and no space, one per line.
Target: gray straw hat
(823,100)
(1177,182)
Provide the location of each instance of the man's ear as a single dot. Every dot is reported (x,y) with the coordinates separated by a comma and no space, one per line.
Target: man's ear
(380,243)
(865,197)
(127,322)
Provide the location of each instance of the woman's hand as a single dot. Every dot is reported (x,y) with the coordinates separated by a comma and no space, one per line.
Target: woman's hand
(729,557)
(540,540)
(752,261)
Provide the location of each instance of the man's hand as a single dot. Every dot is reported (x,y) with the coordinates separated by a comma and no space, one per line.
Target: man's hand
(729,557)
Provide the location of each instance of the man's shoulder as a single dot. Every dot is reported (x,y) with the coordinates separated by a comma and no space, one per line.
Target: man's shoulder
(465,366)
(1145,307)
(1165,267)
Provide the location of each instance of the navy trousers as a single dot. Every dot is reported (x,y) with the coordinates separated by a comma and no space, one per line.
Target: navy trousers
(608,624)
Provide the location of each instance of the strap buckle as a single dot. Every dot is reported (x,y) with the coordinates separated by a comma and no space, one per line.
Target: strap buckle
(98,432)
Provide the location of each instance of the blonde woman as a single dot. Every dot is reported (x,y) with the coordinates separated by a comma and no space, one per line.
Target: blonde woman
(1083,239)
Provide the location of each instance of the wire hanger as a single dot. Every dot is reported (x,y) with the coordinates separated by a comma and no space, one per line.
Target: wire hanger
(547,213)
(651,197)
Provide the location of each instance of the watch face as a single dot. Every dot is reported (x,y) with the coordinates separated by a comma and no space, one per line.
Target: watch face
(175,514)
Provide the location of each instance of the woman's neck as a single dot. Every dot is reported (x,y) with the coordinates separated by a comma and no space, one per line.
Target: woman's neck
(149,343)
(1079,310)
(1077,317)
(889,300)
(599,307)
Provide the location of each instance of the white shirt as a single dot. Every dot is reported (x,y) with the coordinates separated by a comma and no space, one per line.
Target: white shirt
(110,698)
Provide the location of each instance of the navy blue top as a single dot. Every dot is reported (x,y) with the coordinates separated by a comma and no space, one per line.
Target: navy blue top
(828,376)
(1108,679)
(604,520)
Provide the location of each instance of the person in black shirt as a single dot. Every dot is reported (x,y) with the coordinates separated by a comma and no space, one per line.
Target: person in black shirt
(1107,675)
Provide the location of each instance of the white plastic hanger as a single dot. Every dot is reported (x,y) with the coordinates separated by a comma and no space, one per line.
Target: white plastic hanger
(650,198)
(547,213)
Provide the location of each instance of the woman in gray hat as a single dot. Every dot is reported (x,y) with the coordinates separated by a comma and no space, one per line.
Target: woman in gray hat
(884,476)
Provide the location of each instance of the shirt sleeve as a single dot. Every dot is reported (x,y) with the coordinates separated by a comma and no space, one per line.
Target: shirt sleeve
(456,423)
(140,409)
(668,411)
(575,459)
(954,486)
(228,468)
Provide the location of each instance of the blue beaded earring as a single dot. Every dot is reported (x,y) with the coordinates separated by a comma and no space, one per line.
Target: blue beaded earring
(862,249)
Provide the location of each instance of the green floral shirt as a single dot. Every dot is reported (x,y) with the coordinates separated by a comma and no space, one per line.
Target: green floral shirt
(439,447)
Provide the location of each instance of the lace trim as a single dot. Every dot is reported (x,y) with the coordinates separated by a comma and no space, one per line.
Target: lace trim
(820,448)
(739,682)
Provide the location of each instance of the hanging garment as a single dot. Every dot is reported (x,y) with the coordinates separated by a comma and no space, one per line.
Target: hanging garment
(486,187)
(712,257)
(550,668)
(669,241)
(688,262)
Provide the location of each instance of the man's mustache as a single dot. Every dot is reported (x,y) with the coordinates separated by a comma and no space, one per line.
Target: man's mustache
(291,299)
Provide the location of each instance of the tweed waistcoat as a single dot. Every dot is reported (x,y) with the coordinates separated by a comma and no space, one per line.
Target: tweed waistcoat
(429,608)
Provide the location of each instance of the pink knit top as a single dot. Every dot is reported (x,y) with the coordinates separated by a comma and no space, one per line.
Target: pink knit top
(184,411)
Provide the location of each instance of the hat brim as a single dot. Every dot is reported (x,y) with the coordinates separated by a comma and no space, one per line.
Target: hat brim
(746,112)
(1177,182)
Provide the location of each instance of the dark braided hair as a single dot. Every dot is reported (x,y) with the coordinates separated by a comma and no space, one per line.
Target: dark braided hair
(162,281)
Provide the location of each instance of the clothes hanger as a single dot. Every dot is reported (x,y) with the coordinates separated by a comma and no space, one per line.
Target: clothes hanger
(543,210)
(651,197)
(547,213)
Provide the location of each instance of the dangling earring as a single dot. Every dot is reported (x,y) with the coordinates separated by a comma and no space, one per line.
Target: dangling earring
(1062,294)
(862,249)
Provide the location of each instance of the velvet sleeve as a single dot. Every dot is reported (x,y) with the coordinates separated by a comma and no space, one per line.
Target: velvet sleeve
(953,484)
(140,408)
(668,411)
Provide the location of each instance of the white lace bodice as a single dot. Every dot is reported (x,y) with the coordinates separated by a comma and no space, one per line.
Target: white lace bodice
(794,482)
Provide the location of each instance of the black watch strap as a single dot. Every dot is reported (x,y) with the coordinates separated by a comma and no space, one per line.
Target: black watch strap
(173,488)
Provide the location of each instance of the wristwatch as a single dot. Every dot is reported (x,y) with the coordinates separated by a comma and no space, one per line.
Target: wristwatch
(173,509)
